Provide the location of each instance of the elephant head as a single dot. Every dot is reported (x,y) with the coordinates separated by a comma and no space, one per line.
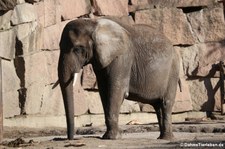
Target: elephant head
(86,41)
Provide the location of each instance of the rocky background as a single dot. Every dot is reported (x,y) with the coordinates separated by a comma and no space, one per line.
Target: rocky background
(30,32)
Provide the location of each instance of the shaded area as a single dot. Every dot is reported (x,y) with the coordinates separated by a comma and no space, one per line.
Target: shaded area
(192,9)
(6,5)
(208,68)
(19,64)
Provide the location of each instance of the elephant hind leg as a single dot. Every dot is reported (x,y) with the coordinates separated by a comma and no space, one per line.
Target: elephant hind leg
(167,105)
(167,132)
(158,110)
(164,116)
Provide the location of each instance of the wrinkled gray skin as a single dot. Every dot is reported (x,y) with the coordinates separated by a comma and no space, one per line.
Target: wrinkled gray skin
(130,61)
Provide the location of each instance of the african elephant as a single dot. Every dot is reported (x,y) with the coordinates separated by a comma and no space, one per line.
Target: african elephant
(130,61)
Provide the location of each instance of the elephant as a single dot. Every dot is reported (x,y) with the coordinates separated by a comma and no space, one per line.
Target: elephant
(132,61)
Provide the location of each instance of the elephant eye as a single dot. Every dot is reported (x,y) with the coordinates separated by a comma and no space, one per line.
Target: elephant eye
(79,49)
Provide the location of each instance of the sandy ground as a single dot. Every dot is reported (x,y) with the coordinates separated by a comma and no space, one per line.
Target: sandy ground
(210,134)
(129,141)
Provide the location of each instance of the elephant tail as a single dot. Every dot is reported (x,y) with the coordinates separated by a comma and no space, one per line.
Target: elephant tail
(180,84)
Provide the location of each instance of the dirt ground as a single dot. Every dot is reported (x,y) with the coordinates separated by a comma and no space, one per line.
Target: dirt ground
(190,134)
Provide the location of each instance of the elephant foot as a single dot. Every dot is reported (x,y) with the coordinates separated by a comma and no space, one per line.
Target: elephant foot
(166,136)
(112,135)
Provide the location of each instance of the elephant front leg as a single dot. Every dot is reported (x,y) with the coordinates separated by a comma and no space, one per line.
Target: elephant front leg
(111,98)
(112,131)
(113,83)
(112,109)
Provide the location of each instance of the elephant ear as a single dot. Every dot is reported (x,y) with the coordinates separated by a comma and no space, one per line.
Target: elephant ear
(111,40)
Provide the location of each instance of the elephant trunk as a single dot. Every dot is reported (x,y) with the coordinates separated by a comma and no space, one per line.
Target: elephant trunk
(67,93)
(66,84)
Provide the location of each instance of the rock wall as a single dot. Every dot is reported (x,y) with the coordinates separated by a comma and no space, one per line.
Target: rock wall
(30,31)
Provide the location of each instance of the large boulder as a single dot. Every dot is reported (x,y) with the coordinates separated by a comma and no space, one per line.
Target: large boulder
(110,7)
(88,78)
(5,20)
(183,101)
(51,98)
(7,44)
(23,13)
(71,9)
(205,94)
(40,75)
(40,9)
(11,85)
(208,24)
(94,102)
(179,3)
(29,35)
(52,12)
(170,21)
(200,59)
(188,5)
(129,106)
(80,99)
(52,36)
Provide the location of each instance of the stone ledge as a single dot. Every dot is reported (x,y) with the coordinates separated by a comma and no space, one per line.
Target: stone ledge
(35,121)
